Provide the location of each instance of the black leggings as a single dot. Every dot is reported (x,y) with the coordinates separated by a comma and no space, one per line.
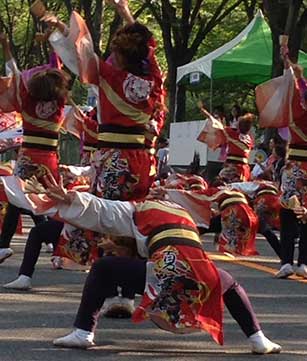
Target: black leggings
(290,229)
(270,236)
(10,223)
(109,272)
(49,232)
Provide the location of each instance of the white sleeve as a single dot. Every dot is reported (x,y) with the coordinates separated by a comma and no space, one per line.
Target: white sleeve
(100,215)
(257,170)
(66,50)
(248,188)
(86,171)
(11,68)
(77,50)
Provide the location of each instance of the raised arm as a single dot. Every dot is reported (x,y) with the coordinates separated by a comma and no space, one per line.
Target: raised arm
(6,47)
(203,109)
(123,10)
(54,22)
(75,47)
(9,85)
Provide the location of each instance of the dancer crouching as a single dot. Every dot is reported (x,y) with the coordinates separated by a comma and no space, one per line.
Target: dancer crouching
(182,290)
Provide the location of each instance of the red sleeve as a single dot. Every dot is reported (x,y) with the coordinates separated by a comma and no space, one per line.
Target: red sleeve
(158,92)
(297,105)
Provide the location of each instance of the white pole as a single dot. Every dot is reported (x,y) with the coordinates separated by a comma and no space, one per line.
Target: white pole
(211,93)
(175,106)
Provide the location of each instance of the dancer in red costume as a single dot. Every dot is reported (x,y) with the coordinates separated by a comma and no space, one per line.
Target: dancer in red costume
(182,290)
(41,103)
(131,96)
(40,100)
(282,102)
(239,143)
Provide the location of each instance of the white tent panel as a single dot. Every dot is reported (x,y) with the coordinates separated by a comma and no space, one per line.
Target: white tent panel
(204,64)
(183,143)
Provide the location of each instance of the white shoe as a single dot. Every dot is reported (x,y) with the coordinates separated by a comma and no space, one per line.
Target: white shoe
(285,271)
(49,248)
(5,253)
(57,262)
(21,283)
(301,271)
(76,339)
(262,345)
(118,307)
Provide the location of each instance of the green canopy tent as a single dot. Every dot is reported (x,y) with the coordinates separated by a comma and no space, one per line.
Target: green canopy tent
(246,58)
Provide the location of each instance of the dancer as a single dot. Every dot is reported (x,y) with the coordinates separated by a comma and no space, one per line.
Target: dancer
(239,143)
(50,232)
(132,98)
(266,205)
(166,234)
(291,113)
(40,100)
(239,222)
(264,198)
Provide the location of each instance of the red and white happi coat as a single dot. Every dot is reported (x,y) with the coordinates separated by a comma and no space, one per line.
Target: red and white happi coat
(185,181)
(130,120)
(239,146)
(41,121)
(280,104)
(266,204)
(239,221)
(90,140)
(183,290)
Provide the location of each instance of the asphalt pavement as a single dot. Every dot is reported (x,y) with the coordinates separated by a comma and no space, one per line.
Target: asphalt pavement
(31,320)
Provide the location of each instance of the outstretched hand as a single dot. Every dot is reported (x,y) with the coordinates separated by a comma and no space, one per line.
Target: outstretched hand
(118,2)
(157,193)
(50,19)
(202,108)
(56,191)
(200,105)
(122,8)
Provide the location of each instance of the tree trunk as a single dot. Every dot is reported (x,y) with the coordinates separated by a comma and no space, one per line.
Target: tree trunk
(176,95)
(172,89)
(180,115)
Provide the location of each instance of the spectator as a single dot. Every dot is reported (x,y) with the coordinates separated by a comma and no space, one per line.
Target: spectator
(163,158)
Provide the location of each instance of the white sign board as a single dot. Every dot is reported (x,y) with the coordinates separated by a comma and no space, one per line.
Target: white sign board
(183,143)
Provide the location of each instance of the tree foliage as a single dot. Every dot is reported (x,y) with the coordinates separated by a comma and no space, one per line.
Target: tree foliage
(184,29)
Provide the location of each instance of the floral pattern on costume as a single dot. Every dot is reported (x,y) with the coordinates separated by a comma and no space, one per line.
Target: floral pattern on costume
(45,110)
(137,89)
(293,171)
(176,296)
(239,225)
(78,245)
(268,207)
(25,168)
(114,180)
